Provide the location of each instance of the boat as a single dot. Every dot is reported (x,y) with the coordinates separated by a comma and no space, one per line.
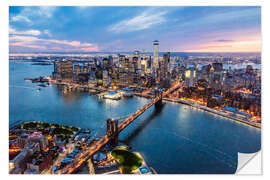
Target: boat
(42,85)
(127,94)
(27,79)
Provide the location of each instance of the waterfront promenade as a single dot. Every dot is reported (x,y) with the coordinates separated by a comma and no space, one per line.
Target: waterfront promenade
(218,112)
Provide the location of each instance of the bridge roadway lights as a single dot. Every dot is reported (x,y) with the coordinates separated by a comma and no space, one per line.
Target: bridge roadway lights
(112,131)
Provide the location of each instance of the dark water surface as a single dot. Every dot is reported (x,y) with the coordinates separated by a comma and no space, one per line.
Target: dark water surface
(174,139)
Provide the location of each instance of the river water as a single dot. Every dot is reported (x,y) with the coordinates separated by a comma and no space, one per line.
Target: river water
(176,139)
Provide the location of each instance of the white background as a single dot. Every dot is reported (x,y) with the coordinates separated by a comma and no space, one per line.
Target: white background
(265,82)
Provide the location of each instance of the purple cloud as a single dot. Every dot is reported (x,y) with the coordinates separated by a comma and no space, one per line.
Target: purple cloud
(224,40)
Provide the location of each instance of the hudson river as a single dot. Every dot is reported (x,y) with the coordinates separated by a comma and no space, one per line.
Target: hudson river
(177,139)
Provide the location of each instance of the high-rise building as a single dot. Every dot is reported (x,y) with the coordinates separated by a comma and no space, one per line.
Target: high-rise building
(63,70)
(190,76)
(106,79)
(122,62)
(155,62)
(124,79)
(143,66)
(135,63)
(92,78)
(98,77)
(115,77)
(137,55)
(166,63)
(215,78)
(163,73)
(110,61)
(106,64)
(127,64)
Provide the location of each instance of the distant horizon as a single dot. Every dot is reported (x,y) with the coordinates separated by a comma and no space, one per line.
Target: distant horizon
(141,52)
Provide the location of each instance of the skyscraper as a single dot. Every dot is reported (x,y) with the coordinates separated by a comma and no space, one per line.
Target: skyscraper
(144,63)
(155,62)
(164,66)
(164,70)
(137,59)
(63,70)
(122,62)
(190,76)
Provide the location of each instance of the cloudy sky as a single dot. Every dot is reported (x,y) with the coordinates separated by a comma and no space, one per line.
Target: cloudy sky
(88,29)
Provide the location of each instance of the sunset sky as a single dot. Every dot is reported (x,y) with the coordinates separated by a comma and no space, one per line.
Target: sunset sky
(114,29)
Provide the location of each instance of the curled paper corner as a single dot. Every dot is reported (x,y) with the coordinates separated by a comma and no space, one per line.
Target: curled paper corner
(249,163)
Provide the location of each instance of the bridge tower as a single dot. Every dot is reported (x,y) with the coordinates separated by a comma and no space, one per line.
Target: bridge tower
(112,131)
(159,102)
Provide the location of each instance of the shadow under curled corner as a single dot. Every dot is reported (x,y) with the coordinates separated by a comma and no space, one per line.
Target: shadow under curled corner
(249,164)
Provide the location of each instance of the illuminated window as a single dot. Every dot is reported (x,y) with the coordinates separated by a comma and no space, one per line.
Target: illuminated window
(188,74)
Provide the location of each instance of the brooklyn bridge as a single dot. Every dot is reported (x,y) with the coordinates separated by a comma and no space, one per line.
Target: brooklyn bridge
(114,127)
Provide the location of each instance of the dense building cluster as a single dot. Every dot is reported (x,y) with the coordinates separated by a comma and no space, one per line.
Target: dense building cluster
(215,86)
(35,146)
(120,71)
(202,76)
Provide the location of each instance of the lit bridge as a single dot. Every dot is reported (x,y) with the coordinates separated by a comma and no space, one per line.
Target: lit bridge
(113,129)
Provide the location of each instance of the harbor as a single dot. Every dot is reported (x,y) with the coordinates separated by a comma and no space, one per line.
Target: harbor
(118,94)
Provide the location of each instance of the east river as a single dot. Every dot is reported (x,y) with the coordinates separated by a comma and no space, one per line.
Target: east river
(177,139)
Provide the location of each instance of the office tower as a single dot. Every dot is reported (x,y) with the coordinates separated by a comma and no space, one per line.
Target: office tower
(216,75)
(190,76)
(115,77)
(155,62)
(166,63)
(105,63)
(110,61)
(135,63)
(63,70)
(144,66)
(99,76)
(121,62)
(124,79)
(163,70)
(106,79)
(205,72)
(137,55)
(92,78)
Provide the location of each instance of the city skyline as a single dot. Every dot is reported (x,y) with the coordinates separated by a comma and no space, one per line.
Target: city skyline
(180,29)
